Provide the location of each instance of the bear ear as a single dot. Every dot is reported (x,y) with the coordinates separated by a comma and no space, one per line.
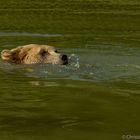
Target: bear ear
(11,55)
(6,55)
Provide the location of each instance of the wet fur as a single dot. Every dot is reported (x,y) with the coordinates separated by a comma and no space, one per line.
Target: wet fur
(33,53)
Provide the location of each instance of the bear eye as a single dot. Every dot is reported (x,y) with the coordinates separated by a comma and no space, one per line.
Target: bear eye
(43,52)
(56,51)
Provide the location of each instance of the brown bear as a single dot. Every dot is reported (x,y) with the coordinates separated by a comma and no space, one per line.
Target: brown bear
(33,54)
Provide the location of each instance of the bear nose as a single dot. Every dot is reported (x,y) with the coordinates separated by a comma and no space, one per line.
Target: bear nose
(64,57)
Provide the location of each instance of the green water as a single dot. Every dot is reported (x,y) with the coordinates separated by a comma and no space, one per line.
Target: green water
(97,95)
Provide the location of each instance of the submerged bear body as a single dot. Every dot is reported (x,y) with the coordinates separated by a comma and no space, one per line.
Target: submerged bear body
(34,54)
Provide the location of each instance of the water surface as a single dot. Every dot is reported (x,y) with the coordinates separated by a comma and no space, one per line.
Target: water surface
(97,95)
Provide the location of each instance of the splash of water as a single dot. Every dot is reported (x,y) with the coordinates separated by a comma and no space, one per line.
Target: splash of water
(74,61)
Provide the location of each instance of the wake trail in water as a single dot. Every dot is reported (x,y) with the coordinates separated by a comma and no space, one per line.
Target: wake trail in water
(86,64)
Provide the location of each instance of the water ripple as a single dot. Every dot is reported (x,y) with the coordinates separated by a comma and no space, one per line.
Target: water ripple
(29,34)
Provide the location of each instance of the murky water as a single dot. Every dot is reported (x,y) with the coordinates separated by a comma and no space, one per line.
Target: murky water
(97,95)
